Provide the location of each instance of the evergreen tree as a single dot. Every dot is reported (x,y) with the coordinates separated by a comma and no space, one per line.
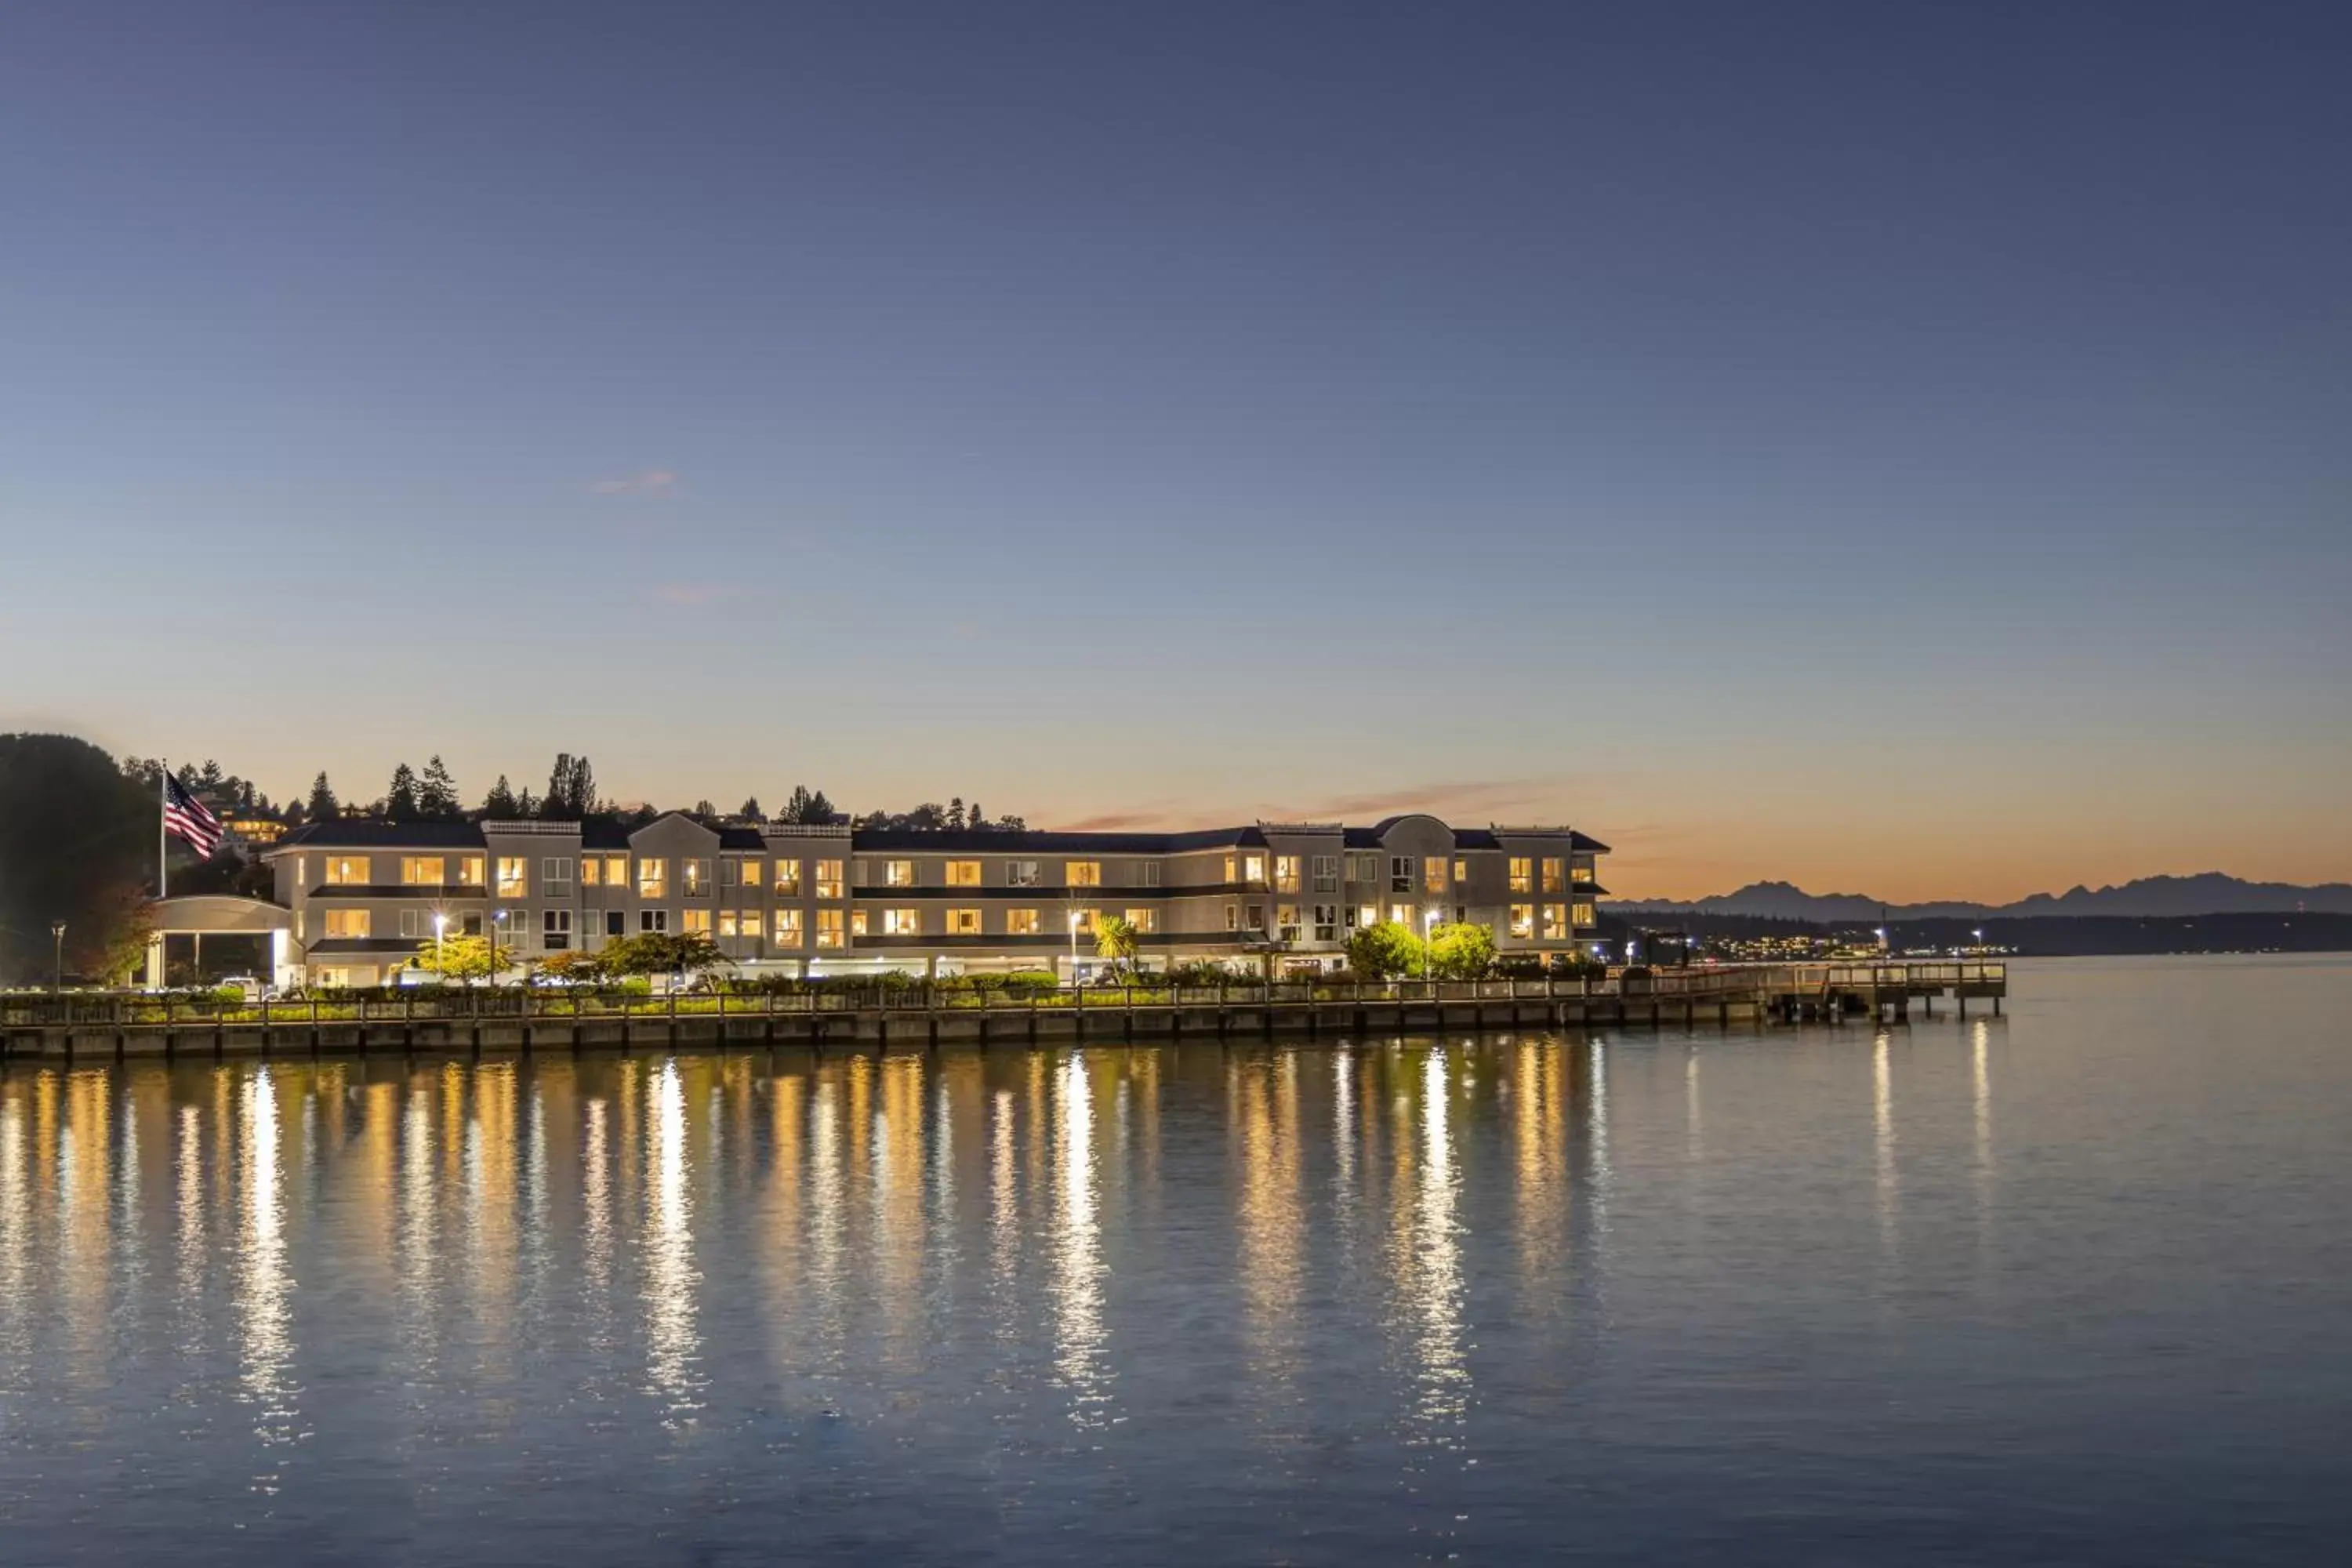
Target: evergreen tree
(750,811)
(499,804)
(704,809)
(436,794)
(955,812)
(210,778)
(400,800)
(974,816)
(526,806)
(570,789)
(324,807)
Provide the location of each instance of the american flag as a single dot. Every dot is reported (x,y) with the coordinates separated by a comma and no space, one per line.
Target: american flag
(189,817)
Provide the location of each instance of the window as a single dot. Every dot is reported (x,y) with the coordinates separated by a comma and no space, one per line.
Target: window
(1327,873)
(1285,923)
(1233,917)
(788,928)
(963,922)
(1523,875)
(469,870)
(653,876)
(902,923)
(1584,915)
(788,879)
(555,929)
(1434,871)
(1252,917)
(1143,920)
(1363,868)
(828,886)
(471,925)
(420,871)
(1461,870)
(1082,919)
(697,923)
(963,873)
(726,920)
(1147,874)
(592,870)
(1367,916)
(694,877)
(1399,873)
(1020,873)
(1523,919)
(1286,873)
(828,923)
(513,877)
(1021,922)
(555,877)
(898,873)
(731,872)
(1555,922)
(604,871)
(349,923)
(346,870)
(1582,871)
(1326,923)
(1554,874)
(750,870)
(515,936)
(1083,873)
(861,873)
(1401,914)
(415,923)
(653,920)
(857,923)
(616,922)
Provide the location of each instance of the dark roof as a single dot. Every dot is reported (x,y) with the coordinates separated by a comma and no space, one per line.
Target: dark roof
(952,841)
(1586,842)
(604,836)
(343,834)
(740,838)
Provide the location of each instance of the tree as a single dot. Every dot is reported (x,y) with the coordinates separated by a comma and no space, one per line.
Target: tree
(499,804)
(803,807)
(400,800)
(324,807)
(1461,949)
(77,844)
(436,794)
(751,810)
(973,817)
(1116,940)
(1383,952)
(955,813)
(660,953)
(457,956)
(570,789)
(704,810)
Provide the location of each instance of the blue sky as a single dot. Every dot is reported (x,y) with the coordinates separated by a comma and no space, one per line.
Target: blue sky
(1894,447)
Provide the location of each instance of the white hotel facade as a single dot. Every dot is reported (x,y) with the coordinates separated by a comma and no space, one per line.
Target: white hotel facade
(799,901)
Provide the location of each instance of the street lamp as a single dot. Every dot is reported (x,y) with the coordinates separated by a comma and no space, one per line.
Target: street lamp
(440,965)
(1075,915)
(1428,931)
(57,932)
(497,930)
(1979,936)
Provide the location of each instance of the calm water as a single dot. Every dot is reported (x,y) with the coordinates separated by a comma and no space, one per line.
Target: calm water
(2071,1286)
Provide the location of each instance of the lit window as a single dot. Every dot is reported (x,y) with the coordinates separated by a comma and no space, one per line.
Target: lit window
(788,928)
(1555,922)
(1285,923)
(898,873)
(1082,919)
(828,886)
(1252,867)
(1401,914)
(653,920)
(513,878)
(1579,872)
(555,929)
(694,877)
(788,881)
(1286,873)
(963,922)
(469,870)
(1523,875)
(1523,919)
(1554,874)
(591,871)
(420,871)
(1461,870)
(695,922)
(653,876)
(1433,871)
(857,923)
(1233,917)
(1020,873)
(346,870)
(604,871)
(1368,915)
(902,923)
(350,923)
(1021,922)
(828,923)
(1143,920)
(749,923)
(963,873)
(726,922)
(1584,915)
(1084,873)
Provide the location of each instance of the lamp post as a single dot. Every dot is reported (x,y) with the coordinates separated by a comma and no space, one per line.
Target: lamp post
(440,964)
(497,929)
(1075,914)
(57,934)
(1979,936)
(1428,930)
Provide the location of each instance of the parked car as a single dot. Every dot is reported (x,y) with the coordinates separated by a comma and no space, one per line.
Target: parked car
(251,986)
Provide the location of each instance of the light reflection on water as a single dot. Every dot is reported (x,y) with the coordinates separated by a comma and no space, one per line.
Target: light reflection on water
(1430,1297)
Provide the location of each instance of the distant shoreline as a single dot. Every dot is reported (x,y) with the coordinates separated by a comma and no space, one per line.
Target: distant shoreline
(2026,936)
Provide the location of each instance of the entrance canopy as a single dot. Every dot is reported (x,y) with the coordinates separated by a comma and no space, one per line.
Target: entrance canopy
(201,915)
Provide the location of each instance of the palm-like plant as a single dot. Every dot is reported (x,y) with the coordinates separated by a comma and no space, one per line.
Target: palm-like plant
(1116,940)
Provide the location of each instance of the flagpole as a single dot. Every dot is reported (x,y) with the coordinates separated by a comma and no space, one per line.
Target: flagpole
(162,828)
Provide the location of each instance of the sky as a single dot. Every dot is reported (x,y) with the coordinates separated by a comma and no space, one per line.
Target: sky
(1895,448)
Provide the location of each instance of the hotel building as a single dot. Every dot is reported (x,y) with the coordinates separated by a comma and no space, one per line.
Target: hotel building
(798,901)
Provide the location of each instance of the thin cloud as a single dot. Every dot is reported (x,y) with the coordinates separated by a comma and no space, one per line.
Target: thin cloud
(1113,823)
(649,482)
(698,593)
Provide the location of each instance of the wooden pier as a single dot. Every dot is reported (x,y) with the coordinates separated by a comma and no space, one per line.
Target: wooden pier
(526,1018)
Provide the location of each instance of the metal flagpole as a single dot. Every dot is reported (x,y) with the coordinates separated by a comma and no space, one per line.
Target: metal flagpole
(162,828)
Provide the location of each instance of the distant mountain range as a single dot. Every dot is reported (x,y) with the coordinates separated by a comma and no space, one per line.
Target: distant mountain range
(2208,894)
